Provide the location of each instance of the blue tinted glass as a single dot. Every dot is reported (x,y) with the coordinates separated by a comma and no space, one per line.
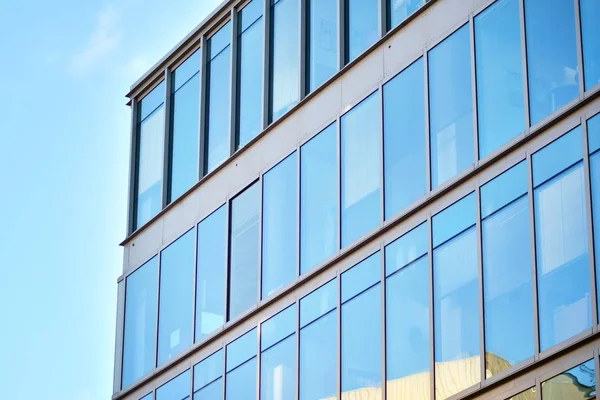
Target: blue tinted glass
(401,9)
(139,332)
(590,30)
(219,94)
(285,53)
(278,371)
(454,219)
(361,348)
(551,56)
(558,155)
(593,128)
(361,205)
(250,13)
(149,167)
(186,70)
(407,329)
(184,137)
(404,139)
(152,101)
(279,225)
(362,26)
(456,312)
(506,247)
(208,370)
(323,53)
(361,276)
(250,80)
(578,383)
(278,327)
(241,349)
(318,358)
(406,249)
(318,199)
(149,396)
(176,297)
(500,106)
(212,391)
(219,40)
(243,251)
(450,107)
(318,303)
(176,389)
(503,189)
(241,382)
(562,257)
(210,274)
(595,189)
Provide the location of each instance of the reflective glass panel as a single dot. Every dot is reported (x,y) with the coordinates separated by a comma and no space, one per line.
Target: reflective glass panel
(503,189)
(450,107)
(241,350)
(557,156)
(551,56)
(240,383)
(454,219)
(152,101)
(578,383)
(176,389)
(590,30)
(318,303)
(278,371)
(208,371)
(149,396)
(593,128)
(406,249)
(401,9)
(323,46)
(362,26)
(404,139)
(186,70)
(212,391)
(361,205)
(278,327)
(361,276)
(529,394)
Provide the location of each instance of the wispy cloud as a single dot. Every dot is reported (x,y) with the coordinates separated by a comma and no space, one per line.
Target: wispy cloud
(104,39)
(137,66)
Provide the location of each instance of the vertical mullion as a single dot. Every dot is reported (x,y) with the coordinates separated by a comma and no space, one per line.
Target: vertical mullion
(381,159)
(339,183)
(227,282)
(297,388)
(258,360)
(224,374)
(474,89)
(266,87)
(341,33)
(382,12)
(133,158)
(383,324)
(579,46)
(260,182)
(480,283)
(427,133)
(524,64)
(339,336)
(431,307)
(534,280)
(166,141)
(157,310)
(302,19)
(191,383)
(233,101)
(203,105)
(596,366)
(119,334)
(194,282)
(298,208)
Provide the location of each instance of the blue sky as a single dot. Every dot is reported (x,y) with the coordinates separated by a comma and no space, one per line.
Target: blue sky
(64,141)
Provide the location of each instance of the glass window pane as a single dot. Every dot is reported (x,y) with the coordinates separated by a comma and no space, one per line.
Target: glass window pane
(407,332)
(503,189)
(529,394)
(186,70)
(362,26)
(318,358)
(219,95)
(212,391)
(590,30)
(508,301)
(176,297)
(401,9)
(318,199)
(176,389)
(593,127)
(278,327)
(149,396)
(279,225)
(278,371)
(208,370)
(251,13)
(241,349)
(152,101)
(454,219)
(244,243)
(404,139)
(361,348)
(562,257)
(456,315)
(578,383)
(210,274)
(499,69)
(250,73)
(551,56)
(558,155)
(450,107)
(361,205)
(318,303)
(241,382)
(323,52)
(285,57)
(406,249)
(139,332)
(361,276)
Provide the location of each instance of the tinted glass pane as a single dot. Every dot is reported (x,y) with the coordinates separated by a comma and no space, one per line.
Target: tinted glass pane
(558,155)
(279,225)
(401,9)
(208,370)
(454,219)
(244,243)
(186,70)
(139,332)
(456,312)
(241,382)
(529,394)
(278,371)
(500,107)
(318,358)
(361,276)
(220,40)
(318,199)
(551,56)
(450,107)
(361,208)
(176,297)
(184,136)
(406,249)
(593,127)
(362,26)
(176,389)
(323,54)
(241,349)
(562,257)
(149,396)
(407,332)
(250,78)
(404,139)
(219,94)
(250,13)
(590,14)
(210,275)
(152,100)
(595,189)
(318,303)
(285,53)
(503,189)
(507,287)
(212,391)
(278,327)
(361,348)
(578,383)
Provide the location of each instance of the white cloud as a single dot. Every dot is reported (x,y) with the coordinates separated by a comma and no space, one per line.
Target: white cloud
(137,66)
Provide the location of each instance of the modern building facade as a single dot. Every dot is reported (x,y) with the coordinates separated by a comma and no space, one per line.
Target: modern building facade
(366,199)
